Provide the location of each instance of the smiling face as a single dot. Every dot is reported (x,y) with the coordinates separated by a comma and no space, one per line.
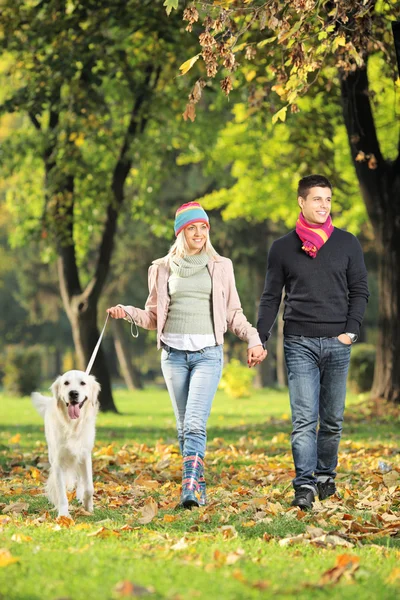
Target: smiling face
(74,388)
(316,206)
(196,235)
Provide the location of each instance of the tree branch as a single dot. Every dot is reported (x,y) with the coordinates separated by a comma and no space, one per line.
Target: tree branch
(35,121)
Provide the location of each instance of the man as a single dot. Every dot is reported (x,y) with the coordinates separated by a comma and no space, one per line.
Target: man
(323,272)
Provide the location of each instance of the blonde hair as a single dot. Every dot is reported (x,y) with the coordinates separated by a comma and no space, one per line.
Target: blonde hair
(180,248)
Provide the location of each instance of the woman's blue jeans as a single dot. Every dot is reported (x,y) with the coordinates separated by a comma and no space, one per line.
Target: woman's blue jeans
(317,372)
(192,379)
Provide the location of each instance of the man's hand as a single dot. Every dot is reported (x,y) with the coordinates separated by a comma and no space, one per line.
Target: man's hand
(255,356)
(344,338)
(116,312)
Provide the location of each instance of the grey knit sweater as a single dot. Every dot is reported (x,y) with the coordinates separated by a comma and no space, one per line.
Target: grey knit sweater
(189,287)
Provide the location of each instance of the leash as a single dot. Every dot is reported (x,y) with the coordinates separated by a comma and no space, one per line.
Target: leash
(96,348)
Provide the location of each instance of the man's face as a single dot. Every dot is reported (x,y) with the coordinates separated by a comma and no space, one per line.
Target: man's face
(316,207)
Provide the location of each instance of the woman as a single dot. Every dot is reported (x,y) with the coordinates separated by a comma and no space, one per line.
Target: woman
(192,301)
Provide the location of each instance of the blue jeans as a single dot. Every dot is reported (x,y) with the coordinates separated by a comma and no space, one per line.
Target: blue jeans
(192,379)
(317,372)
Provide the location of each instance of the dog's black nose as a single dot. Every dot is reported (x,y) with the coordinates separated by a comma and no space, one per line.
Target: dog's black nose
(74,395)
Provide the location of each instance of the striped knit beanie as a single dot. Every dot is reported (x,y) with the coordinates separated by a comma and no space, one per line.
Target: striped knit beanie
(189,213)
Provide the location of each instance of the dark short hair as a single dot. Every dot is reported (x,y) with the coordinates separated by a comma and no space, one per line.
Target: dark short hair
(310,181)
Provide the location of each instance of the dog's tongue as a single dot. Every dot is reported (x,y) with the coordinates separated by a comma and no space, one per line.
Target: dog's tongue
(73,411)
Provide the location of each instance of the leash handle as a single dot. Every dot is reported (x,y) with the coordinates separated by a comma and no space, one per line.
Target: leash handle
(96,348)
(132,322)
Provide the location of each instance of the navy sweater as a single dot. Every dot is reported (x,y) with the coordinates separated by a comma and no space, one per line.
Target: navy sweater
(324,296)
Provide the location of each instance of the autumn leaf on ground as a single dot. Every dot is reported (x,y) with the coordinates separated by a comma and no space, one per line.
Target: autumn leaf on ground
(65,521)
(128,588)
(228,531)
(6,558)
(15,439)
(146,482)
(149,511)
(170,518)
(394,576)
(16,507)
(103,532)
(345,565)
(20,538)
(180,545)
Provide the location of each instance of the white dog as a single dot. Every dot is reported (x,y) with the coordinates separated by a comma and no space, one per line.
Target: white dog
(69,424)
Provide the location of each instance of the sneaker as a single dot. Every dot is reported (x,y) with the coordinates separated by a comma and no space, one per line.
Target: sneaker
(326,489)
(303,498)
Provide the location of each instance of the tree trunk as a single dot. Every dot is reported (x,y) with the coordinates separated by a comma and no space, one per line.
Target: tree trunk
(386,382)
(380,187)
(131,375)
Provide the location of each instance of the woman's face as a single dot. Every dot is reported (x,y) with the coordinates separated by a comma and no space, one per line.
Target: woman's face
(196,235)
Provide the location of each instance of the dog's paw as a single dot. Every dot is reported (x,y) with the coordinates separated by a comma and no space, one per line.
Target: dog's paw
(88,505)
(64,512)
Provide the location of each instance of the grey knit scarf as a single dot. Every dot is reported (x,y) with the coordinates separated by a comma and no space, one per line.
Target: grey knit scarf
(189,265)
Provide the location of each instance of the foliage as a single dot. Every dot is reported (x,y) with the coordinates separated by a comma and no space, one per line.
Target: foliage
(362,364)
(291,41)
(239,546)
(236,379)
(22,370)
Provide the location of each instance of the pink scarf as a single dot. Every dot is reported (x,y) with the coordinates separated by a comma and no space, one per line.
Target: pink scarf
(313,236)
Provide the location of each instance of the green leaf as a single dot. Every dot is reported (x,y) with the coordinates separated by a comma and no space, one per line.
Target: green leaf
(265,42)
(170,4)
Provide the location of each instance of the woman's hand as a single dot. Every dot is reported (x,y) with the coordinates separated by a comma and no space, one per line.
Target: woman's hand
(255,356)
(116,312)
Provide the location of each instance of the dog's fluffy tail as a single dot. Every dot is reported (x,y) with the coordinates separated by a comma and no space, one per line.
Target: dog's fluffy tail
(41,403)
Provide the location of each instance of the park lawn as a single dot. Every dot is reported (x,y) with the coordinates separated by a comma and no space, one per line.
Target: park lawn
(242,545)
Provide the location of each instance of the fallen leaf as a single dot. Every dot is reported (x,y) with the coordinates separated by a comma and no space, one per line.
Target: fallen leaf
(20,538)
(170,518)
(103,532)
(6,558)
(180,545)
(128,588)
(228,531)
(65,522)
(345,564)
(149,511)
(16,507)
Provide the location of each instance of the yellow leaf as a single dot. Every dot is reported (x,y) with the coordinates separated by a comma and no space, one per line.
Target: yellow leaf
(188,64)
(20,538)
(103,532)
(281,115)
(170,518)
(15,438)
(249,524)
(6,558)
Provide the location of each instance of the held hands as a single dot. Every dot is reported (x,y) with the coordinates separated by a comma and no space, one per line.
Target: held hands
(116,312)
(256,355)
(344,338)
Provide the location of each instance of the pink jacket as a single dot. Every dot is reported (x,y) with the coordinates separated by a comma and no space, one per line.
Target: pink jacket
(227,310)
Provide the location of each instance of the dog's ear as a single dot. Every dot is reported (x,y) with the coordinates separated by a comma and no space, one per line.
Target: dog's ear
(55,388)
(94,390)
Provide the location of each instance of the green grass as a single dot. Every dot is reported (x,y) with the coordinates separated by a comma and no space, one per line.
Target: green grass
(248,459)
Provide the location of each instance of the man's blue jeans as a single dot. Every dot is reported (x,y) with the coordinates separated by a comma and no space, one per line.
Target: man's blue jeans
(317,372)
(192,379)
